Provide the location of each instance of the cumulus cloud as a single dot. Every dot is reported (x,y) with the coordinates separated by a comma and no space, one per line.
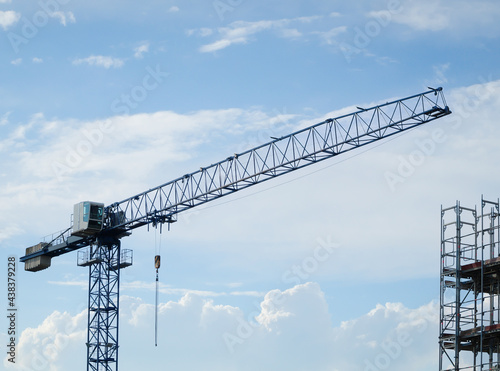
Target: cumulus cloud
(17,61)
(100,61)
(37,60)
(290,328)
(8,18)
(56,343)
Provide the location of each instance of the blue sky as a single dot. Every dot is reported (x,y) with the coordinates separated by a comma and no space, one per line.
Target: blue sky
(335,267)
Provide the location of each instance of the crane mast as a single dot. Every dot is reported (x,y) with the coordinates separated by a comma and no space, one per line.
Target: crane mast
(99,228)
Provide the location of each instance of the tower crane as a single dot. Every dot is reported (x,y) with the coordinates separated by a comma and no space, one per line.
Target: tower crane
(97,230)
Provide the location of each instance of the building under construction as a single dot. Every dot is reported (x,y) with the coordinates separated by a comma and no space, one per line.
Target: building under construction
(469,335)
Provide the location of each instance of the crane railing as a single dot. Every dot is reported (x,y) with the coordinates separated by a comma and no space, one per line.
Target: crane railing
(324,140)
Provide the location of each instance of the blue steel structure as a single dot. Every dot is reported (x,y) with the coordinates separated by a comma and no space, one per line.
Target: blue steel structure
(161,204)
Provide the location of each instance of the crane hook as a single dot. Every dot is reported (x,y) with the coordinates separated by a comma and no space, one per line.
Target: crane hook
(157,266)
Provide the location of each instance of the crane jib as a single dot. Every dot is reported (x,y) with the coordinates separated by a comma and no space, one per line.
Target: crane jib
(280,156)
(321,141)
(100,228)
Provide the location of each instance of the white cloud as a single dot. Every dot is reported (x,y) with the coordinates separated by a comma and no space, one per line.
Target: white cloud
(9,231)
(8,18)
(17,61)
(141,50)
(100,61)
(309,19)
(291,33)
(80,284)
(171,144)
(330,37)
(5,118)
(45,156)
(241,32)
(204,32)
(257,294)
(173,9)
(141,155)
(63,17)
(168,290)
(55,343)
(420,15)
(291,328)
(479,17)
(162,135)
(37,60)
(220,44)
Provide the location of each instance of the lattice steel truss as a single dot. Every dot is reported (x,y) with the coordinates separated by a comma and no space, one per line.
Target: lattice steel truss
(310,145)
(105,259)
(161,204)
(302,148)
(469,337)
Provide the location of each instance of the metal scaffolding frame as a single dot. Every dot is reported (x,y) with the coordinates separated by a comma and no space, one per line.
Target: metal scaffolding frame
(469,336)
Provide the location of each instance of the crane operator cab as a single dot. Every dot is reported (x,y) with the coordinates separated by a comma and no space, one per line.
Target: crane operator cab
(87,218)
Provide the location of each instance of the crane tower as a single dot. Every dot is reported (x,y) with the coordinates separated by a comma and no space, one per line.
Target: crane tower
(97,230)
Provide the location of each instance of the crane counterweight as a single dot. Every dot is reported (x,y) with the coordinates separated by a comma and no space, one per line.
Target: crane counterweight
(37,263)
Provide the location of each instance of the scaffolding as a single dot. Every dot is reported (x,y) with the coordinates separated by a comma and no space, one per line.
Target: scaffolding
(469,336)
